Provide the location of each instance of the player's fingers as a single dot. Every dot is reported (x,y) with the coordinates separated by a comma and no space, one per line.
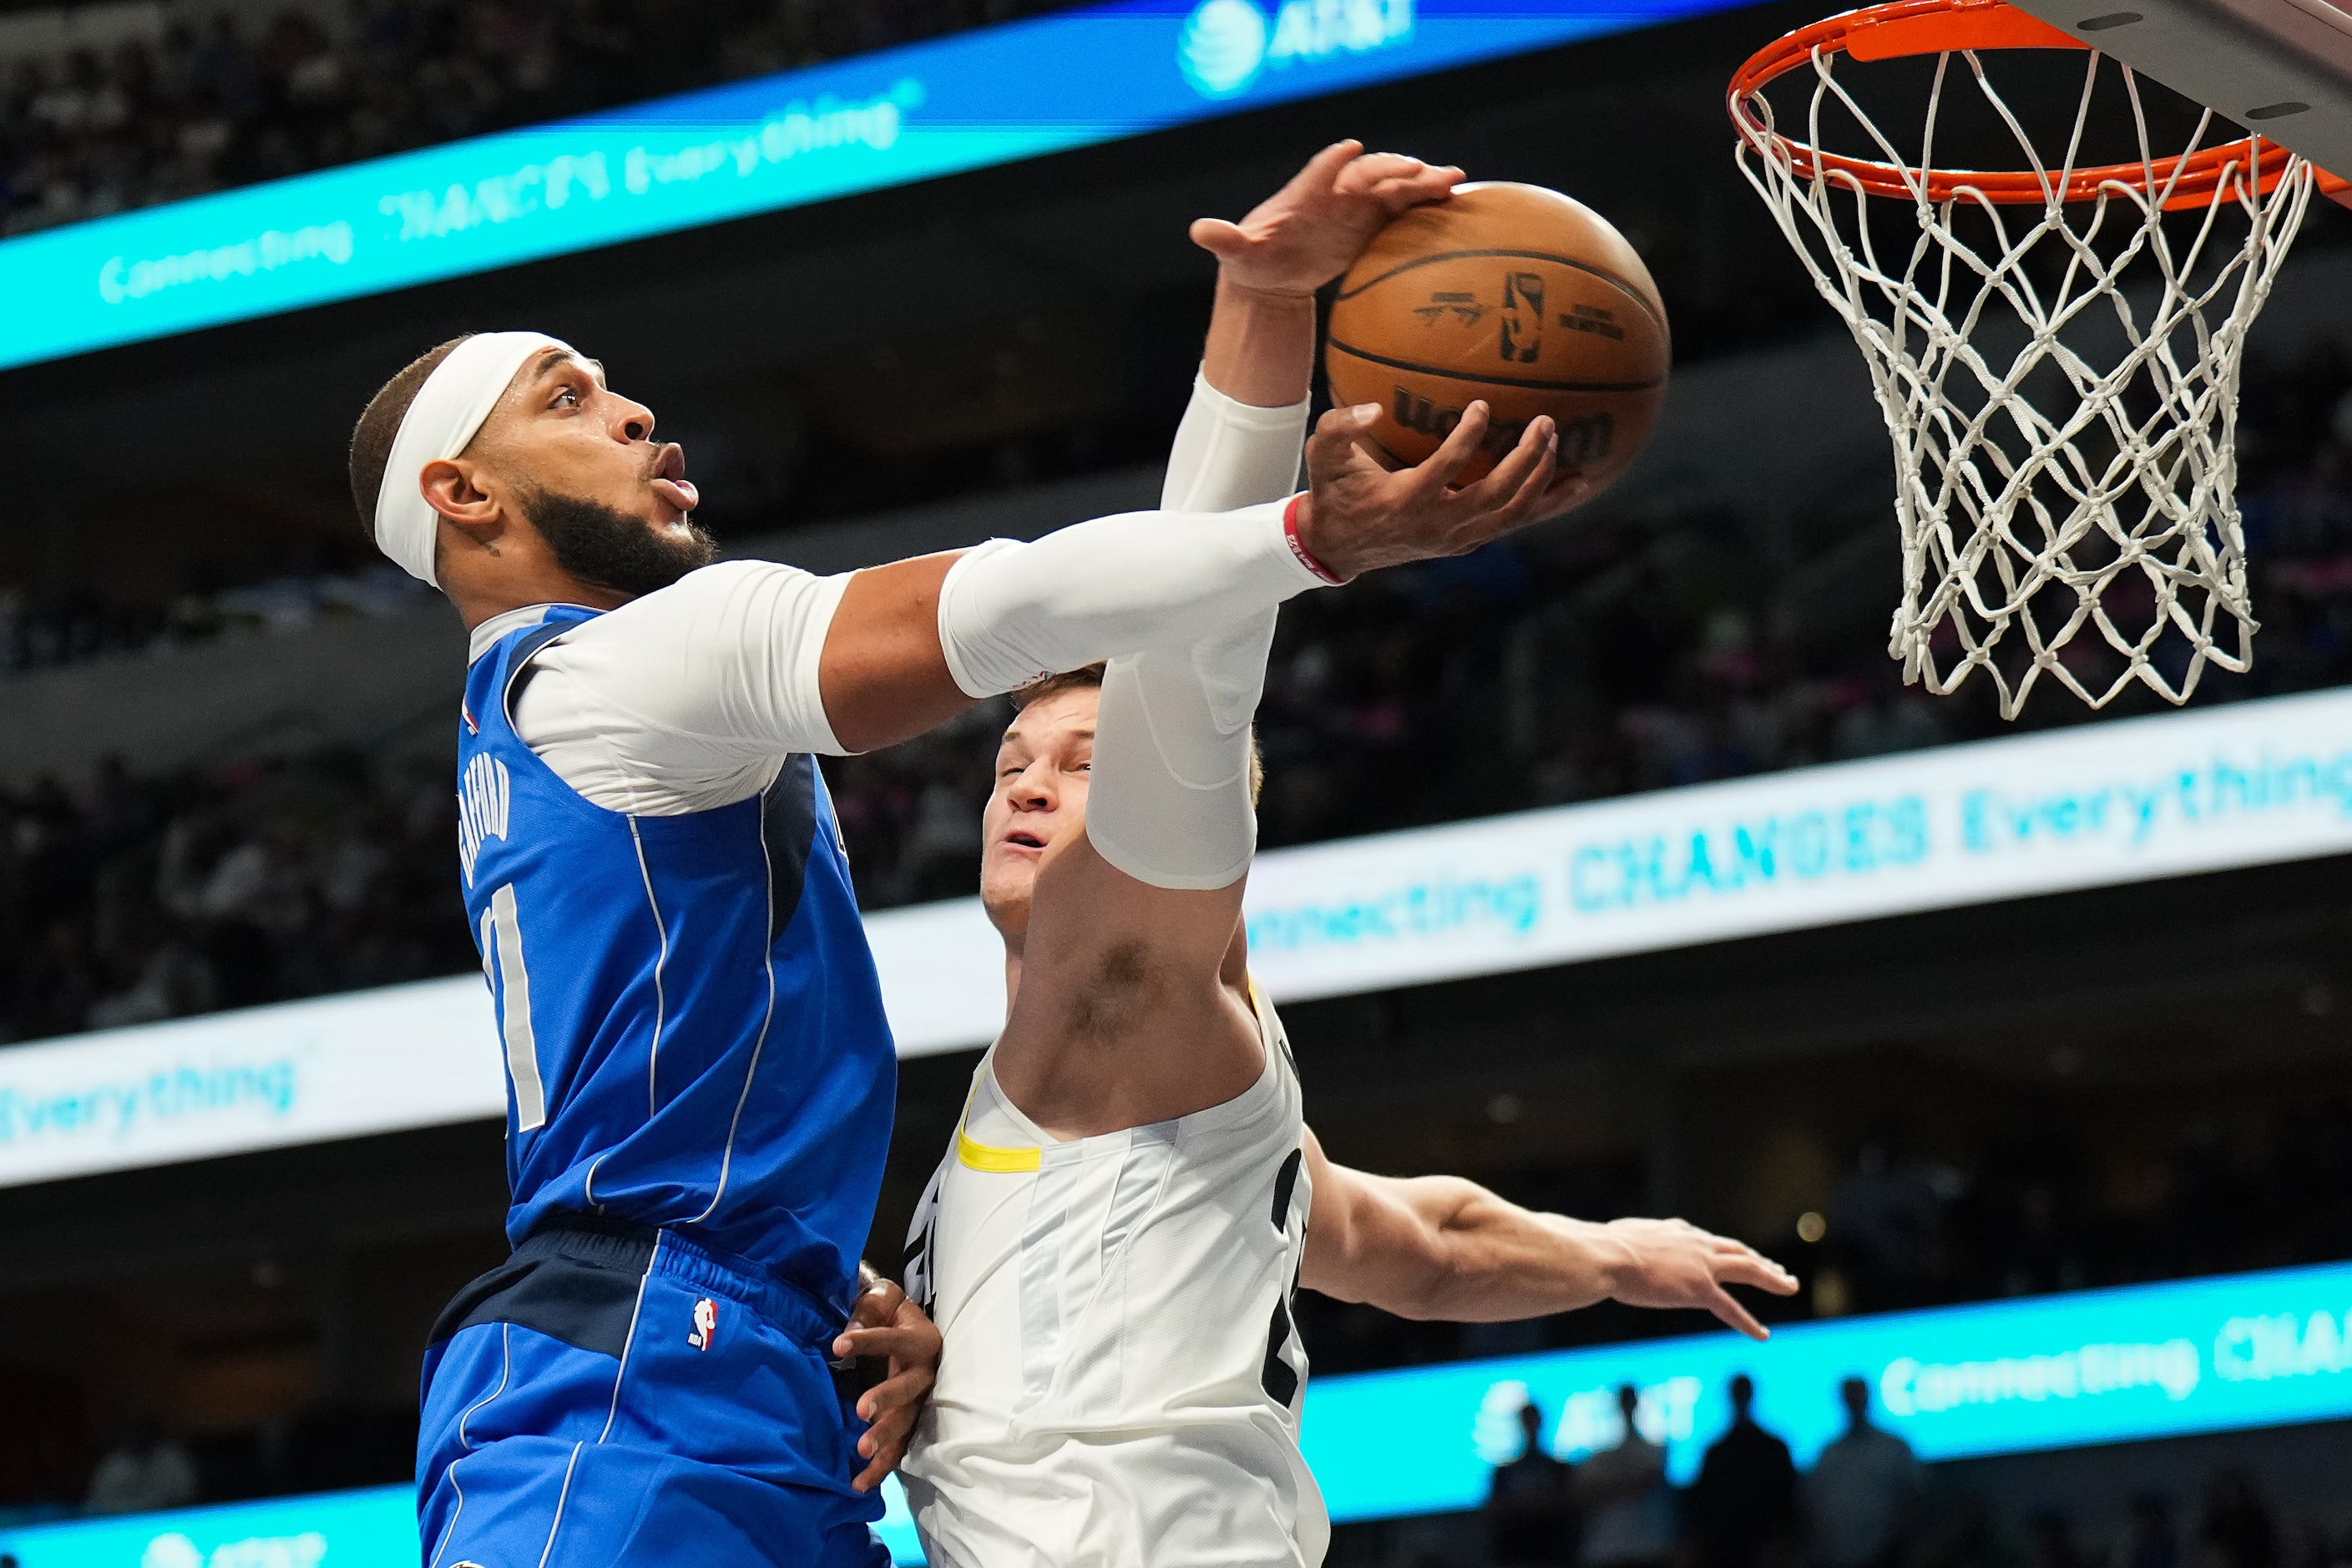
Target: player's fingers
(1506,494)
(889,1409)
(1336,436)
(1425,184)
(1218,238)
(1538,444)
(904,1389)
(1736,1316)
(1323,170)
(879,1301)
(884,1450)
(876,1308)
(1759,1272)
(1522,507)
(1461,444)
(908,1343)
(1367,174)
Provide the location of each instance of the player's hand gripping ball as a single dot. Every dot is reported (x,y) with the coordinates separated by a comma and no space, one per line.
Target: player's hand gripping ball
(1515,294)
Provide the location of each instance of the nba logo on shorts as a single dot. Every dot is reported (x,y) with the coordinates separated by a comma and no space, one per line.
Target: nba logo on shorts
(706,1324)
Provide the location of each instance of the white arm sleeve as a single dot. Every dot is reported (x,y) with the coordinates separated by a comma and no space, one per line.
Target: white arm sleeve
(1170,804)
(1228,454)
(689,697)
(1011,613)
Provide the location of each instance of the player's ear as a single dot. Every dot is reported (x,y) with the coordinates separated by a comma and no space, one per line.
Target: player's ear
(463,493)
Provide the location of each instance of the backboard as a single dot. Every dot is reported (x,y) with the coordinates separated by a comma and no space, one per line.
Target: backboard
(2281,67)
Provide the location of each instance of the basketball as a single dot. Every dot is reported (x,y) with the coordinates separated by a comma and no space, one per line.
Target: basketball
(1513,293)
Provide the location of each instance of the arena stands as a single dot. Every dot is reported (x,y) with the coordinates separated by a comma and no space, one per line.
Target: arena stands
(223,97)
(142,899)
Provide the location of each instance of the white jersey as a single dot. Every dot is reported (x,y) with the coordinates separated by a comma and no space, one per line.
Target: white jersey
(1121,1382)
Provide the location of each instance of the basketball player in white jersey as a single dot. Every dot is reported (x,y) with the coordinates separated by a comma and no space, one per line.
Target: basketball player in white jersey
(1110,1246)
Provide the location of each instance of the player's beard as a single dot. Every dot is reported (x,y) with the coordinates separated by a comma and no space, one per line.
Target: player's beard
(607,547)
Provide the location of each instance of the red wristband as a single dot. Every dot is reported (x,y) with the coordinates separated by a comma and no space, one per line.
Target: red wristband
(1299,545)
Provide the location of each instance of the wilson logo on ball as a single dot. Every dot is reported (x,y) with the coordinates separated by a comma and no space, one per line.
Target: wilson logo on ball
(1417,412)
(1581,441)
(1586,440)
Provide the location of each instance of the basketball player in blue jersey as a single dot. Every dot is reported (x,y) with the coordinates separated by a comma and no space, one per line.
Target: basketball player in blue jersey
(699,1073)
(1111,1242)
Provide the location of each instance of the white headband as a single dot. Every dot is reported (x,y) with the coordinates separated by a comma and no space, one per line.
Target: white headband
(449,407)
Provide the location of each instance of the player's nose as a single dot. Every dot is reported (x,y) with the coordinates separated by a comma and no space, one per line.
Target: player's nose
(632,421)
(1034,790)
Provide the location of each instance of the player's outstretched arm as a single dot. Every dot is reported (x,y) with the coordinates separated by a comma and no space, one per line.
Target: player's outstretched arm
(1137,918)
(913,643)
(1440,1246)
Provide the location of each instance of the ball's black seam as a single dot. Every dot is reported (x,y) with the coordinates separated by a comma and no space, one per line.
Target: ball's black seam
(1629,291)
(1336,346)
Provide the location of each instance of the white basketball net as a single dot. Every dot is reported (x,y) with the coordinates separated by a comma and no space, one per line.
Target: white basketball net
(2035,476)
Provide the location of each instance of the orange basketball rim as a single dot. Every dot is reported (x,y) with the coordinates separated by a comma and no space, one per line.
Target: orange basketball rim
(1902,28)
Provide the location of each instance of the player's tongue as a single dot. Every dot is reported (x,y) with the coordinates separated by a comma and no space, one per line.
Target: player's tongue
(669,478)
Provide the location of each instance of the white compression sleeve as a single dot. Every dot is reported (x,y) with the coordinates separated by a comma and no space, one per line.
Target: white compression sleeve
(1011,612)
(1170,804)
(1228,454)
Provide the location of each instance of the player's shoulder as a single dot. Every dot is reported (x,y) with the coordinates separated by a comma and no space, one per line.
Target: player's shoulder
(723,577)
(701,594)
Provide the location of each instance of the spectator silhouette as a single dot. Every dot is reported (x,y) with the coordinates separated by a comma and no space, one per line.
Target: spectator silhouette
(1743,1507)
(1530,1509)
(2149,1540)
(2054,1541)
(143,1472)
(1628,1511)
(2237,1530)
(1863,1492)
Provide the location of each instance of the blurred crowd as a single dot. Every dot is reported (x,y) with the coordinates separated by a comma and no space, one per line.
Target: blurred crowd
(218,100)
(75,628)
(2023,1217)
(142,899)
(1864,1502)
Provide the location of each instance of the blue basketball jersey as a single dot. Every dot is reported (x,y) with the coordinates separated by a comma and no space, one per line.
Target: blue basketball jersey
(692,1024)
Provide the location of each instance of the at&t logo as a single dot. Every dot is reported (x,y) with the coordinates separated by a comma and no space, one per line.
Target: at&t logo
(1225,45)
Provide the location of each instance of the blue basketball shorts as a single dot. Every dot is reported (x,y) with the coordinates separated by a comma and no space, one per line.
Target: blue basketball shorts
(607,1399)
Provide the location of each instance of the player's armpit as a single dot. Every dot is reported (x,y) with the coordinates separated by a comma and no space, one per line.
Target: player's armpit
(1101,941)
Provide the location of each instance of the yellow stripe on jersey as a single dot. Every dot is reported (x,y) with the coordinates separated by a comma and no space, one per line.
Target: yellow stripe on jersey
(988,1157)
